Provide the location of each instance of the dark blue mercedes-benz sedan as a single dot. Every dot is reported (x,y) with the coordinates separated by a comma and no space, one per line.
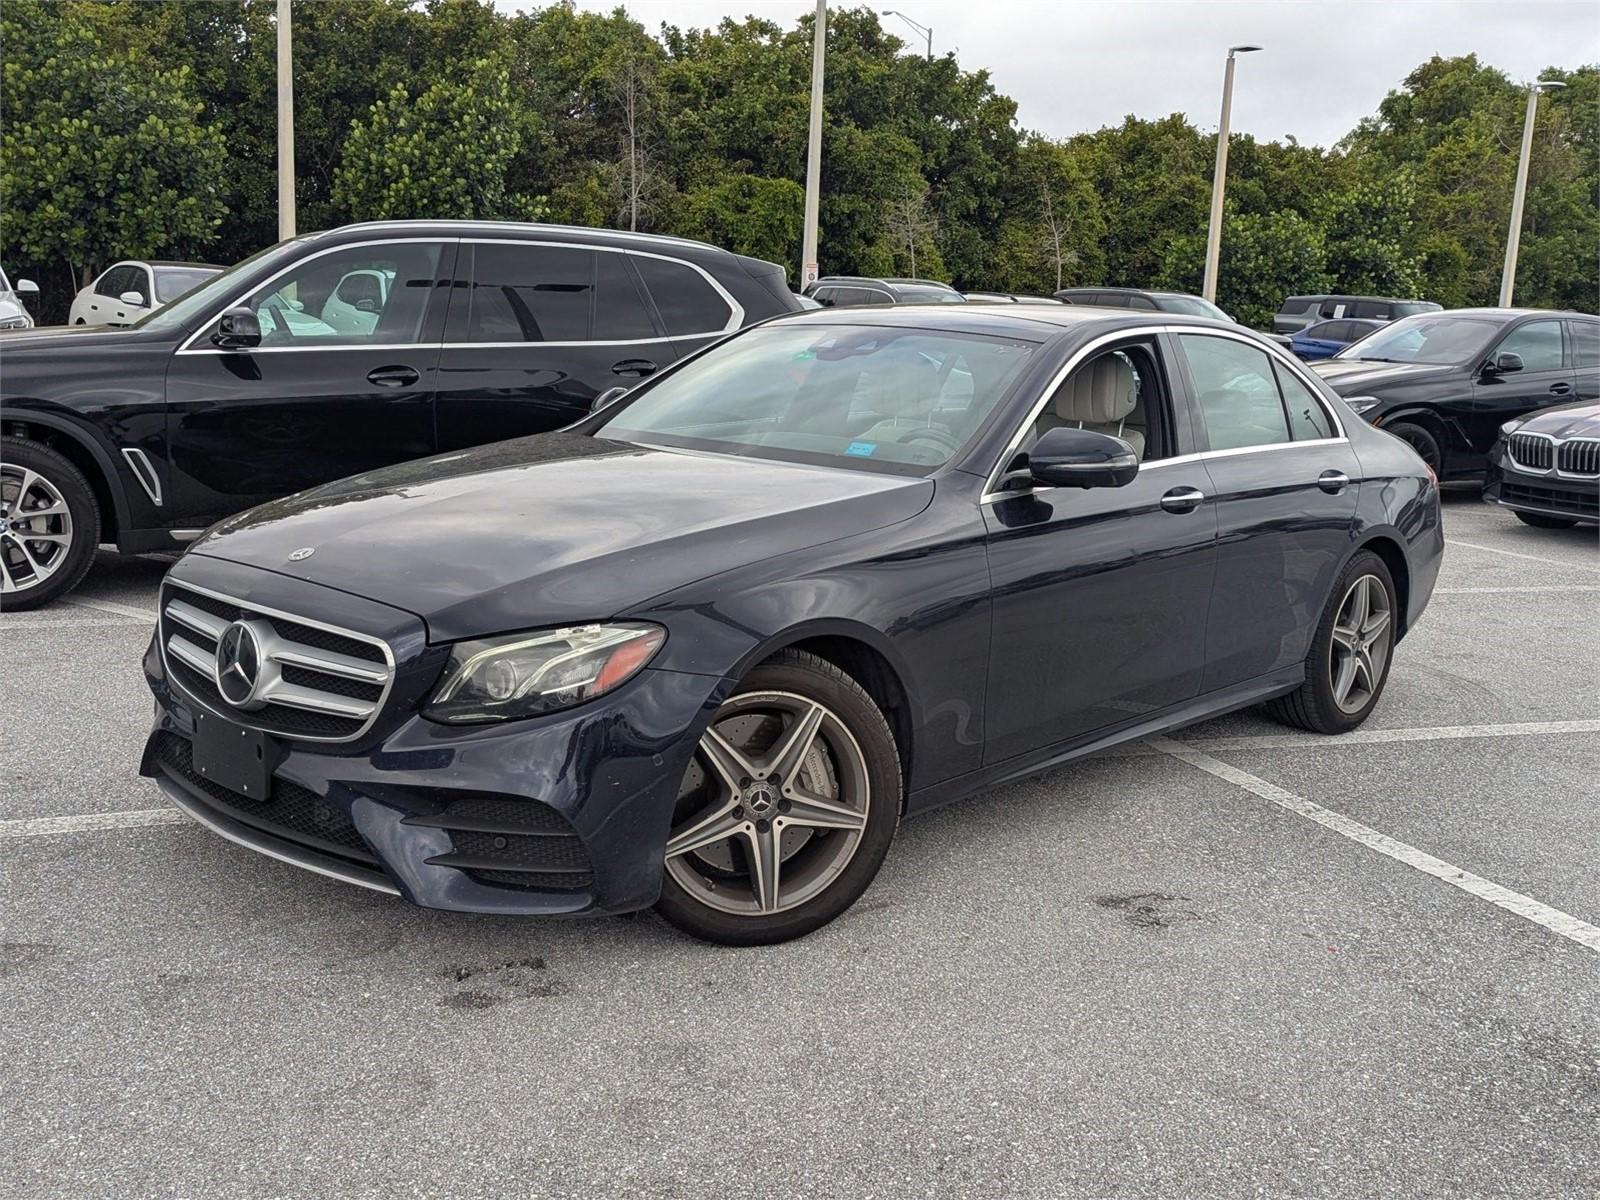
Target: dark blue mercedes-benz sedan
(703,649)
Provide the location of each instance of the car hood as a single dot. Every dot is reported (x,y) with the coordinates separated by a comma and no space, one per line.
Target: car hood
(554,529)
(1355,377)
(1581,419)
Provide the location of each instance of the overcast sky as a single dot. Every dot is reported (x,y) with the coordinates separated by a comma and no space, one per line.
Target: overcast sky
(1075,65)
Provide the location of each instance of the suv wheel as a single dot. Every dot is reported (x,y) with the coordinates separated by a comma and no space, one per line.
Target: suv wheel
(1423,442)
(49,525)
(787,809)
(1348,663)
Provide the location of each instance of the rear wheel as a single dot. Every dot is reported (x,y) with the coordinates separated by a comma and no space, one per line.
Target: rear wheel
(1540,521)
(1423,442)
(49,525)
(787,809)
(1348,663)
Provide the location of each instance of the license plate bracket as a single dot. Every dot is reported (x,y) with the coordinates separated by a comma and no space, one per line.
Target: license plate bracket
(231,756)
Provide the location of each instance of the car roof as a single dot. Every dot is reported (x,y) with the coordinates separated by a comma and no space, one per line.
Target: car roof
(1030,321)
(1351,296)
(463,228)
(173,262)
(1502,314)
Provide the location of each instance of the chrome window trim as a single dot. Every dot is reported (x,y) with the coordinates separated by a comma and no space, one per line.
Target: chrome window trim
(240,717)
(990,495)
(144,471)
(735,309)
(1554,470)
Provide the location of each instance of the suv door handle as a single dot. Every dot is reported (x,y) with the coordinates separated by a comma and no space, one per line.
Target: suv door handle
(1333,482)
(1560,389)
(1182,499)
(399,376)
(634,368)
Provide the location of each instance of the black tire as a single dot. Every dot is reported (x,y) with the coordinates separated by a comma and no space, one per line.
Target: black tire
(59,473)
(1540,521)
(1423,442)
(1313,705)
(805,675)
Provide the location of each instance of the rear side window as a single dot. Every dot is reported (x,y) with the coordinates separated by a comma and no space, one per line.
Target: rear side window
(826,296)
(687,303)
(523,292)
(1585,343)
(620,310)
(1237,392)
(1141,302)
(1307,418)
(1371,309)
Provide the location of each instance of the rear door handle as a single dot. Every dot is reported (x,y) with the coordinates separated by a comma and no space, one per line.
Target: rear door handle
(1182,499)
(1560,389)
(1333,482)
(399,376)
(634,368)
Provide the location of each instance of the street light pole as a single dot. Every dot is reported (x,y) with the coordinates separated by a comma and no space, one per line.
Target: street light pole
(285,123)
(925,30)
(1508,276)
(1219,180)
(808,252)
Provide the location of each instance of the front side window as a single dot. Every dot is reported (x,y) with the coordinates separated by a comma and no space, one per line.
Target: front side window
(1539,344)
(391,283)
(874,398)
(1118,393)
(1237,391)
(1441,340)
(687,303)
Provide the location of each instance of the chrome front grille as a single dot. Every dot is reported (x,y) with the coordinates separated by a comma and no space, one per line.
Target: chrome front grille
(1579,456)
(1531,451)
(310,681)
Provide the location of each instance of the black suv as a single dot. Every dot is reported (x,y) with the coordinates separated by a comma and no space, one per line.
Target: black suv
(1301,312)
(1446,381)
(329,355)
(1138,298)
(851,291)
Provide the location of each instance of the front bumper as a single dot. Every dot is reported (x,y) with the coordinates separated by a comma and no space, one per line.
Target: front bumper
(1548,494)
(563,814)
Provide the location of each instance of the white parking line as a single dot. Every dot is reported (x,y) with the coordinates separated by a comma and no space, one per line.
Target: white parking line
(9,622)
(147,615)
(1368,737)
(1489,591)
(1555,562)
(1553,919)
(92,822)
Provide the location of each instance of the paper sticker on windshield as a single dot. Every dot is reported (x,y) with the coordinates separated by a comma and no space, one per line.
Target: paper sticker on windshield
(862,449)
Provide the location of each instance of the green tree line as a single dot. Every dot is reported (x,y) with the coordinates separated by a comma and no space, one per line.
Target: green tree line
(147,128)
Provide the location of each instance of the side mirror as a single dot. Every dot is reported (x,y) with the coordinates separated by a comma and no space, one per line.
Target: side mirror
(27,287)
(1505,364)
(1067,457)
(134,298)
(607,398)
(238,329)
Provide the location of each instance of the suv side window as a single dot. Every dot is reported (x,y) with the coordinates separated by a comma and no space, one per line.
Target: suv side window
(621,312)
(1539,344)
(1371,309)
(1237,392)
(1585,343)
(301,307)
(1143,302)
(527,292)
(826,296)
(687,303)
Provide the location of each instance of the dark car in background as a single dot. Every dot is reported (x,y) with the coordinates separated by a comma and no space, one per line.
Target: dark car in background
(1327,338)
(1300,311)
(857,291)
(329,355)
(1446,382)
(703,649)
(1008,298)
(1546,467)
(1146,301)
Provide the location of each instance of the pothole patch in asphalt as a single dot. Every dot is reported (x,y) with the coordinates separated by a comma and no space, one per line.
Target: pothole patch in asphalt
(495,984)
(1149,910)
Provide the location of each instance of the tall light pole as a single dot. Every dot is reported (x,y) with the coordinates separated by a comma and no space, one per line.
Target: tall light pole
(925,30)
(285,123)
(1508,276)
(808,252)
(1220,180)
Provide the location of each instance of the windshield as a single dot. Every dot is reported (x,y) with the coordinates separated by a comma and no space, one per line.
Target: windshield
(209,296)
(862,396)
(172,282)
(1442,341)
(1192,306)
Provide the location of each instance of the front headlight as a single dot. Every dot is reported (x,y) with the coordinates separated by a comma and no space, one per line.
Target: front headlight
(526,674)
(1362,404)
(1510,427)
(22,322)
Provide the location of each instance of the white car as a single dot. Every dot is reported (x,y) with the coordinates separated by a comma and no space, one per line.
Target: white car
(357,301)
(13,315)
(131,290)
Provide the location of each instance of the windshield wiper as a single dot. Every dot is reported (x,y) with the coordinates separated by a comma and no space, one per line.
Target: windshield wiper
(1365,358)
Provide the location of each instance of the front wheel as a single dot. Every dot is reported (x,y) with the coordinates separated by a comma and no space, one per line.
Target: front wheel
(1540,521)
(1424,443)
(1348,663)
(49,525)
(787,809)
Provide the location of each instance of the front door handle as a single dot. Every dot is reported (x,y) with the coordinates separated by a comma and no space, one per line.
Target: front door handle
(1182,499)
(1560,389)
(1333,482)
(634,368)
(398,376)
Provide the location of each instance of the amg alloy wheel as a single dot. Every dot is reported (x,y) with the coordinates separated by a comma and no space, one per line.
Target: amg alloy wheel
(49,525)
(786,810)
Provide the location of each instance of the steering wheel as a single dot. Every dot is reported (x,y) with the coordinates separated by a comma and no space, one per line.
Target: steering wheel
(932,433)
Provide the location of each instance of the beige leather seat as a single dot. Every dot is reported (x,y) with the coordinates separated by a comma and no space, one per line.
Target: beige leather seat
(1100,396)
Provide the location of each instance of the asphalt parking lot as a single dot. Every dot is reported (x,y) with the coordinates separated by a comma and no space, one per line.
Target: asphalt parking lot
(1243,961)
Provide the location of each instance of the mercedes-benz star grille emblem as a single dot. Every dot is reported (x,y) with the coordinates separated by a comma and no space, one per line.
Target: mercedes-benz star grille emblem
(239,665)
(303,553)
